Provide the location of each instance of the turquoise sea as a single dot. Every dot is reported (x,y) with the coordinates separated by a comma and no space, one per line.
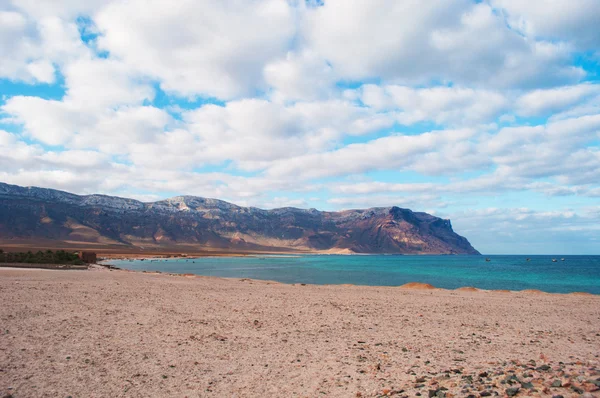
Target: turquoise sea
(573,274)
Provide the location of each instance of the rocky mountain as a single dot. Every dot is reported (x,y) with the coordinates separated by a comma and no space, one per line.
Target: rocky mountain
(30,213)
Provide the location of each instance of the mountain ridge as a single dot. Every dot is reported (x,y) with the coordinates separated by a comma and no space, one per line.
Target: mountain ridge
(43,213)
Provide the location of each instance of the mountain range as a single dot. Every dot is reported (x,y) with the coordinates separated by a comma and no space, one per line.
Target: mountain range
(31,214)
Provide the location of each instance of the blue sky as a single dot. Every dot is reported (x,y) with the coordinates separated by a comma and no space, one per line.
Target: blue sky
(484,112)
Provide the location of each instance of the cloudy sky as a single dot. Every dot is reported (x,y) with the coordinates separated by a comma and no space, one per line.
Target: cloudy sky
(485,112)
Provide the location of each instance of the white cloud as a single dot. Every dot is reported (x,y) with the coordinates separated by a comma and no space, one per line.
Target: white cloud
(524,230)
(417,202)
(443,105)
(30,48)
(94,83)
(395,152)
(569,20)
(416,42)
(255,132)
(17,46)
(75,159)
(558,149)
(42,71)
(44,120)
(67,123)
(303,76)
(547,101)
(15,154)
(64,9)
(214,48)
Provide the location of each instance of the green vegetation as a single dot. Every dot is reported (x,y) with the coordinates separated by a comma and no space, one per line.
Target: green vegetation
(40,257)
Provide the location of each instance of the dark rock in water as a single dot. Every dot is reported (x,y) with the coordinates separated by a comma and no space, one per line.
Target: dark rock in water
(511,392)
(202,222)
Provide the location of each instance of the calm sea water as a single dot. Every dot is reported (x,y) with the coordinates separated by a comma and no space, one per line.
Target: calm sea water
(575,273)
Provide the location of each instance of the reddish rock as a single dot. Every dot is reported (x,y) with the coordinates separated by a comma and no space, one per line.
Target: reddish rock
(589,387)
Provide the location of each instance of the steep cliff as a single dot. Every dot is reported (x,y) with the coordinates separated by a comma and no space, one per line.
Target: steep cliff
(37,213)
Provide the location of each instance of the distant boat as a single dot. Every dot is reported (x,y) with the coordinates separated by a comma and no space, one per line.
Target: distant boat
(528,259)
(487,259)
(553,260)
(562,259)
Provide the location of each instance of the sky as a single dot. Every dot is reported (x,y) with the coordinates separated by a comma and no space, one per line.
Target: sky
(484,112)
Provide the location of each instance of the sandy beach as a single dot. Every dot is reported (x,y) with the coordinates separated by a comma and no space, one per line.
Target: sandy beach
(116,333)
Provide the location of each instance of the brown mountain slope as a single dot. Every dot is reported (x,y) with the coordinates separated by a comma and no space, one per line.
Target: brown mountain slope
(45,214)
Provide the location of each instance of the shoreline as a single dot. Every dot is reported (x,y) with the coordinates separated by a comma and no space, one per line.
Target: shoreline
(407,285)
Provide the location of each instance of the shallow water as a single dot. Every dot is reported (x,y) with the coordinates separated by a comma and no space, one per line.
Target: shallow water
(575,273)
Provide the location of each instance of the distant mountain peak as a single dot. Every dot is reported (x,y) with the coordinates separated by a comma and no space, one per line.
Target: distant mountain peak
(33,213)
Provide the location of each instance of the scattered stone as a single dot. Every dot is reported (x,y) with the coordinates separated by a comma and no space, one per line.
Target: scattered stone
(589,387)
(556,383)
(527,385)
(577,389)
(511,392)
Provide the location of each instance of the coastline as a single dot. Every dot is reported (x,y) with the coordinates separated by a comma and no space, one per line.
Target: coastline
(408,286)
(416,283)
(127,333)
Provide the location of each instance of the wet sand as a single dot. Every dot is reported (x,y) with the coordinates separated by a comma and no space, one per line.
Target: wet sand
(116,333)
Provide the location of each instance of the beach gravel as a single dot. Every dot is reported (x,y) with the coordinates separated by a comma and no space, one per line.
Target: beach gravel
(115,333)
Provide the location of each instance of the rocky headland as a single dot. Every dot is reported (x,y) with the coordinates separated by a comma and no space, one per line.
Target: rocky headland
(184,223)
